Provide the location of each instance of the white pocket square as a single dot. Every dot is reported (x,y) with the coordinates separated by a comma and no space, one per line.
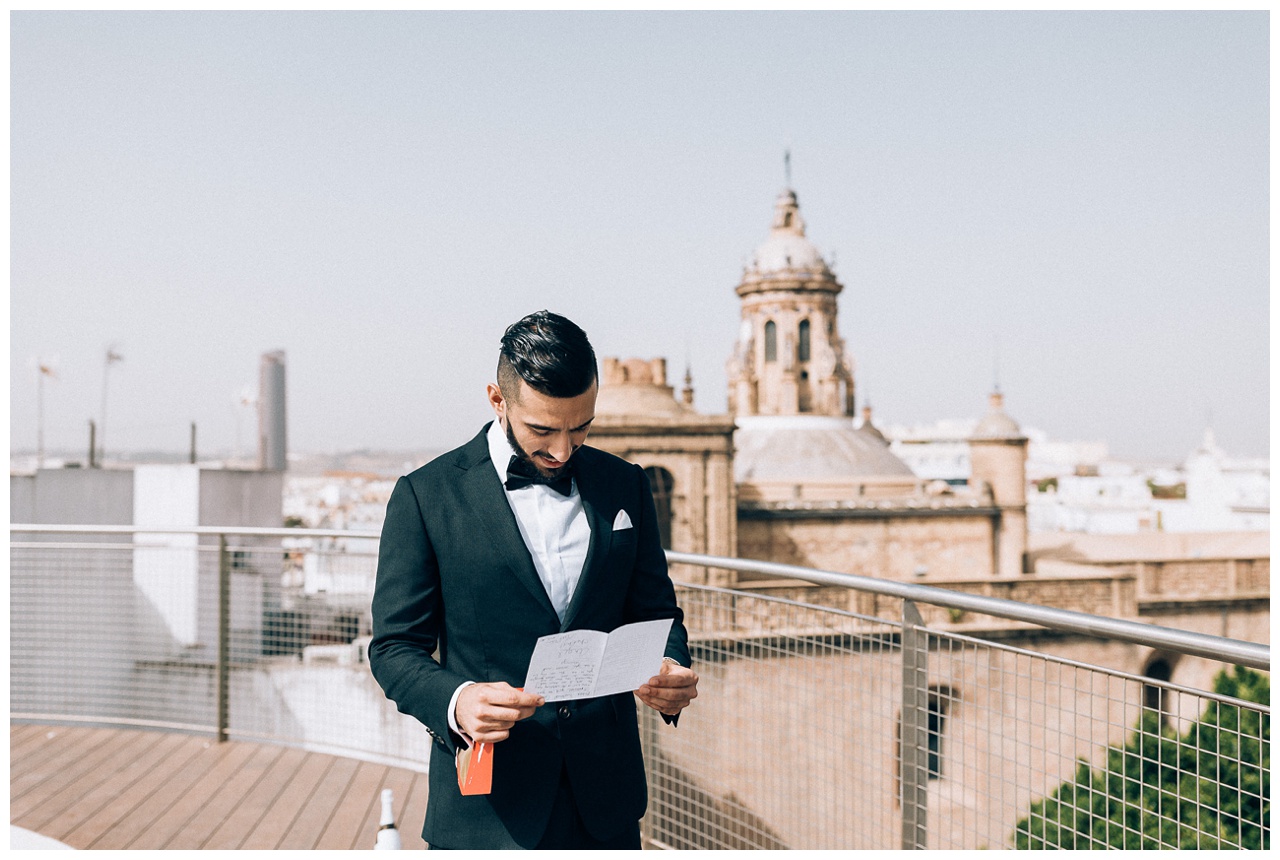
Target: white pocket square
(621,521)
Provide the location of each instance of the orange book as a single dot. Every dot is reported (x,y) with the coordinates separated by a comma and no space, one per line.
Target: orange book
(475,769)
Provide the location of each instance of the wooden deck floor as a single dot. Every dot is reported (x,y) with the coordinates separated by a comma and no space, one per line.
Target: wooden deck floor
(122,788)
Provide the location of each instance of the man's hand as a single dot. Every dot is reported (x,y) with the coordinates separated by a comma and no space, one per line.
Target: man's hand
(486,712)
(671,690)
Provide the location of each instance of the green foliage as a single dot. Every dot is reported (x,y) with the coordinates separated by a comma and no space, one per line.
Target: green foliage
(1210,788)
(1167,491)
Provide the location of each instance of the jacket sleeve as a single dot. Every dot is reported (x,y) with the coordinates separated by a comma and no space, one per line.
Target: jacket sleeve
(408,619)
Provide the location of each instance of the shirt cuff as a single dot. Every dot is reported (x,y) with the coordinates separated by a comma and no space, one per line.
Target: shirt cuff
(453,720)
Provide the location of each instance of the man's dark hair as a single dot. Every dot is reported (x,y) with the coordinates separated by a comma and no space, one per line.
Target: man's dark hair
(550,353)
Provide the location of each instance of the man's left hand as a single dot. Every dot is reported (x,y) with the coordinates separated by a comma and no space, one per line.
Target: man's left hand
(671,690)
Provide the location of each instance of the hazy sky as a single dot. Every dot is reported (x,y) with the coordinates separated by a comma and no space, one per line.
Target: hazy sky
(380,194)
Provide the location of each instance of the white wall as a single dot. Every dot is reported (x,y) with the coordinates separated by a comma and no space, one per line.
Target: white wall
(166,566)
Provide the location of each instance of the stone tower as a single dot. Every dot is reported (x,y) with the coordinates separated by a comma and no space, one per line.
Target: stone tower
(998,458)
(789,358)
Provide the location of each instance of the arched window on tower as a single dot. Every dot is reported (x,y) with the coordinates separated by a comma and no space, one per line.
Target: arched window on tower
(941,699)
(802,348)
(770,341)
(663,486)
(1155,698)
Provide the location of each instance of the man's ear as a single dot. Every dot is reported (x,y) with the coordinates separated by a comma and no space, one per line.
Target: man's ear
(496,400)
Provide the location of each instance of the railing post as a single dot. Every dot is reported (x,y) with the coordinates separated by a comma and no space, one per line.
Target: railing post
(649,742)
(915,729)
(221,669)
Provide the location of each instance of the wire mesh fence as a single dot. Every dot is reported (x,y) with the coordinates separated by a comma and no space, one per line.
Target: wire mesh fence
(251,636)
(815,727)
(818,728)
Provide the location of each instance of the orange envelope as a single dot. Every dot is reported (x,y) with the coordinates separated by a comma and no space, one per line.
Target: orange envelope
(475,769)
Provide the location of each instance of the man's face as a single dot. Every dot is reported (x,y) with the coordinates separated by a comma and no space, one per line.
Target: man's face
(542,429)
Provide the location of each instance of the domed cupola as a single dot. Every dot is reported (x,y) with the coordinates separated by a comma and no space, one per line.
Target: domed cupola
(790,380)
(789,358)
(786,249)
(997,424)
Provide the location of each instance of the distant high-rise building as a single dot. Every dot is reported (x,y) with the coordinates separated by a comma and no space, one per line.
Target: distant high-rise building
(272,447)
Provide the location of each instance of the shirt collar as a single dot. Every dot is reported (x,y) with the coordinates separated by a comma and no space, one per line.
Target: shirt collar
(500,450)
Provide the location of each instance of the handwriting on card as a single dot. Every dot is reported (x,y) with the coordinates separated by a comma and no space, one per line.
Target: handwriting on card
(584,664)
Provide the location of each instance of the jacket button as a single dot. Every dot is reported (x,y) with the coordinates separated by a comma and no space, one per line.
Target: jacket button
(564,712)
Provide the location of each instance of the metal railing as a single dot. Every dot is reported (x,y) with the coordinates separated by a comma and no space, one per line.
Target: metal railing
(817,726)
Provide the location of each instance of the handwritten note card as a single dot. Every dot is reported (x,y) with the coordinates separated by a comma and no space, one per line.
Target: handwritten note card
(583,664)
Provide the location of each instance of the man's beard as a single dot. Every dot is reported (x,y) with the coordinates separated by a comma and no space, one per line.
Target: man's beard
(524,455)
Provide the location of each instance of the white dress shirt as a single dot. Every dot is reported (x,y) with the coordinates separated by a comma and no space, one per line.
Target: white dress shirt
(554,528)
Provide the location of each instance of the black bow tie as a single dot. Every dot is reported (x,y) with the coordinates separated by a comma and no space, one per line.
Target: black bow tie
(521,473)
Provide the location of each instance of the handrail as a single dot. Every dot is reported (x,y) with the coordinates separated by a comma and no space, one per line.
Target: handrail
(1220,648)
(1234,651)
(251,531)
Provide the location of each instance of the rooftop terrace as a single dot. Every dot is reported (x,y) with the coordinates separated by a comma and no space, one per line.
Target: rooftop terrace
(97,787)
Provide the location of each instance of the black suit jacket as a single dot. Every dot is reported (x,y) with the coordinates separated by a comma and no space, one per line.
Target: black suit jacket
(455,574)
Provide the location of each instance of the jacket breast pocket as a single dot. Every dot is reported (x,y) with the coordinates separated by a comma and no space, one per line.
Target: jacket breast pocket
(622,547)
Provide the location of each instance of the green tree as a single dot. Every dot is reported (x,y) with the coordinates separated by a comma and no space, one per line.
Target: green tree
(1210,788)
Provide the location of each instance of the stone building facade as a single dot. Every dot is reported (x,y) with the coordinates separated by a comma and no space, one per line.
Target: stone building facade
(688,458)
(787,477)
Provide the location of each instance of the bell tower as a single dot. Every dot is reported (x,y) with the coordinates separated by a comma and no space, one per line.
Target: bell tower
(789,358)
(998,460)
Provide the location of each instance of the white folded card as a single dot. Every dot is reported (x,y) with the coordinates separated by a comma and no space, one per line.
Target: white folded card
(584,664)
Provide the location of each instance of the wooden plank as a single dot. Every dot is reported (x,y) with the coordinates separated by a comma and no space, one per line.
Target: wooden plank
(20,729)
(127,791)
(172,823)
(254,803)
(222,803)
(415,813)
(141,789)
(24,734)
(310,823)
(176,782)
(74,776)
(399,781)
(53,756)
(357,804)
(128,794)
(289,803)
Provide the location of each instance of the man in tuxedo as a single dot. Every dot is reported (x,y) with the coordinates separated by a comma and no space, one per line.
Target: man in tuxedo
(520,533)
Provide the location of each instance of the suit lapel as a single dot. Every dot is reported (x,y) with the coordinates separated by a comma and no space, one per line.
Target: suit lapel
(595,502)
(487,500)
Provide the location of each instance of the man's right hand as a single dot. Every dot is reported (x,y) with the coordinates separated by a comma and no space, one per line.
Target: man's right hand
(486,712)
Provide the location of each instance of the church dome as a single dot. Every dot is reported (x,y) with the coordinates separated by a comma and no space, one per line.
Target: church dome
(786,249)
(869,429)
(809,447)
(997,424)
(634,387)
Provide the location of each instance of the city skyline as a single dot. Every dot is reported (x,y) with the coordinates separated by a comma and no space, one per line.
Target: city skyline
(1075,204)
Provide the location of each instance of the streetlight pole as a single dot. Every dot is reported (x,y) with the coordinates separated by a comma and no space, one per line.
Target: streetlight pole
(43,369)
(111,358)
